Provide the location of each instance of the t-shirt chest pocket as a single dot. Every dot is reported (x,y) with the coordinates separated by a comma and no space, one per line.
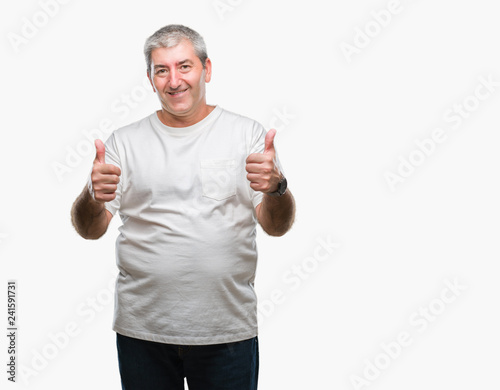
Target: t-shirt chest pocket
(218,178)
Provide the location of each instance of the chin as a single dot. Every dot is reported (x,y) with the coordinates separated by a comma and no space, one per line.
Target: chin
(179,110)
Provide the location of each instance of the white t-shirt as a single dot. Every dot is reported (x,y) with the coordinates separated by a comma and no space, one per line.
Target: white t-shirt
(186,251)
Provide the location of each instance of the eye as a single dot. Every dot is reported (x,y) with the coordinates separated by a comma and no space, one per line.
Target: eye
(185,67)
(161,71)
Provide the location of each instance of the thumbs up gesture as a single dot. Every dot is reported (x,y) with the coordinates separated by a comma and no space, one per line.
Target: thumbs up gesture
(105,177)
(262,168)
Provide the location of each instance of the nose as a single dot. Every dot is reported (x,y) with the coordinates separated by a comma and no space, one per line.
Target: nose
(175,79)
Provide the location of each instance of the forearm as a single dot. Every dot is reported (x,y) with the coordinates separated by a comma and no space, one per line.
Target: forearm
(277,214)
(88,216)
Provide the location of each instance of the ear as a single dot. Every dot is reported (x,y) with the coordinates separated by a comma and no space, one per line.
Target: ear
(208,70)
(151,81)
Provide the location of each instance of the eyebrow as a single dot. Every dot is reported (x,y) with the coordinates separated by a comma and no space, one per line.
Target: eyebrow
(179,63)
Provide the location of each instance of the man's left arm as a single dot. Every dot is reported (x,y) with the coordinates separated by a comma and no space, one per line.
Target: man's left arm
(276,213)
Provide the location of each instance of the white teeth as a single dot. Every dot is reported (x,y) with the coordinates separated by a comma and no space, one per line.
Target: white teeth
(176,93)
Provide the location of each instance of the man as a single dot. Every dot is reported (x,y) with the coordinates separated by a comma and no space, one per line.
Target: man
(190,181)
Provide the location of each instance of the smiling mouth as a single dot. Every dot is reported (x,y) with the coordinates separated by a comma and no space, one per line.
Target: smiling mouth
(177,92)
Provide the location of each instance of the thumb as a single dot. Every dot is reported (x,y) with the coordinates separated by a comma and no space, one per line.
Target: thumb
(100,151)
(269,141)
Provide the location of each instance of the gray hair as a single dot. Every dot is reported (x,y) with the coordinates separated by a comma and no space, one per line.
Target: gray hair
(172,35)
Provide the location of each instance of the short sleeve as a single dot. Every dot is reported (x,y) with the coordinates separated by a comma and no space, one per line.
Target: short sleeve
(112,157)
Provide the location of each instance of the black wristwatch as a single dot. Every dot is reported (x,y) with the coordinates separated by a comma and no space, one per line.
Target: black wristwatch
(282,185)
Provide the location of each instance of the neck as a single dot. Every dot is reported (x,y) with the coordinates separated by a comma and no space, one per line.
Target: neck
(172,120)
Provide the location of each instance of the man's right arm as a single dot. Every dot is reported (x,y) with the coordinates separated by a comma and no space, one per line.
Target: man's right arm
(88,214)
(89,217)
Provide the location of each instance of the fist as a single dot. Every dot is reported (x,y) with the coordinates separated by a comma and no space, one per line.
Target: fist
(105,177)
(263,171)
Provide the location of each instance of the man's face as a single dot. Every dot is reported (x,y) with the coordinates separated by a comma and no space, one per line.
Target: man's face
(178,77)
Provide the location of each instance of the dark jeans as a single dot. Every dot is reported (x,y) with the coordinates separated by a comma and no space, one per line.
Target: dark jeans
(147,365)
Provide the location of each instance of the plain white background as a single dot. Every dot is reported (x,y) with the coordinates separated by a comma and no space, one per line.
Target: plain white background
(346,122)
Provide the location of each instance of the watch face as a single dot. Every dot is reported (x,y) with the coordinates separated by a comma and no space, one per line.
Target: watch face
(282,186)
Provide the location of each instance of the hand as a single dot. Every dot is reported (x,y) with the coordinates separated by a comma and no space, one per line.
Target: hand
(105,177)
(263,171)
